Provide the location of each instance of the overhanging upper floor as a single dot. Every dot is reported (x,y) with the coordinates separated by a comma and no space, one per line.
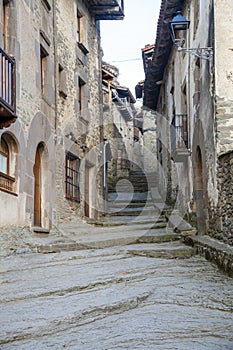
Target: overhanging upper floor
(107,9)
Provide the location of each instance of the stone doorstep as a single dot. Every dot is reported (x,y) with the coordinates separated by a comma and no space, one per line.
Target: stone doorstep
(38,229)
(213,250)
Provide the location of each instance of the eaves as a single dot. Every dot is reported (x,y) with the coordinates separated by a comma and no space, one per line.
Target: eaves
(163,46)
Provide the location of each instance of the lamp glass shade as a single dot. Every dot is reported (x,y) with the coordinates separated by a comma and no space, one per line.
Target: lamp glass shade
(179,22)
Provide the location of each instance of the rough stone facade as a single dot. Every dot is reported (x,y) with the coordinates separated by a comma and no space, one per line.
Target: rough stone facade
(57,138)
(119,130)
(193,105)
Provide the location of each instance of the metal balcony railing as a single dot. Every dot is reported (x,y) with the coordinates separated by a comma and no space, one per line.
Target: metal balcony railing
(7,89)
(107,9)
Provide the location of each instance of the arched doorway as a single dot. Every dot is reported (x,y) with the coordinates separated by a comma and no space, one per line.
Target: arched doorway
(40,187)
(199,192)
(37,186)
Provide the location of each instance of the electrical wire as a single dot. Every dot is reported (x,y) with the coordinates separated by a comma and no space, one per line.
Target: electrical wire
(127,60)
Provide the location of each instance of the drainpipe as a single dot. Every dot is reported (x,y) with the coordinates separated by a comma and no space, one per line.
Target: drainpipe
(105,178)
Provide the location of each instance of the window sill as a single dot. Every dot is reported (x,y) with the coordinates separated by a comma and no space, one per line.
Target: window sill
(74,200)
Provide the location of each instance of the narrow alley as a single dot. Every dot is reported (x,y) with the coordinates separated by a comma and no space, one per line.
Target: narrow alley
(116,175)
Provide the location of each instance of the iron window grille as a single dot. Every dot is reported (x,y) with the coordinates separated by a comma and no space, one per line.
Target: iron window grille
(179,132)
(72,177)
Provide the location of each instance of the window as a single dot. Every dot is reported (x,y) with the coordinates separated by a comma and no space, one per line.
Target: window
(197,82)
(46,5)
(43,68)
(196,16)
(79,28)
(82,32)
(81,95)
(4,157)
(7,163)
(62,82)
(72,177)
(4,21)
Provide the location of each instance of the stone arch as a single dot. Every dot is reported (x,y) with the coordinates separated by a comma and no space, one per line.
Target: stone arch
(200,178)
(40,158)
(199,193)
(41,188)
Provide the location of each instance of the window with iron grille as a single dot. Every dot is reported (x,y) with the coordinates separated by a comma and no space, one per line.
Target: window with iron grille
(72,177)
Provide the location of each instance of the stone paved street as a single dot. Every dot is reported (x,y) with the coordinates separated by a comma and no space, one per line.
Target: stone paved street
(110,299)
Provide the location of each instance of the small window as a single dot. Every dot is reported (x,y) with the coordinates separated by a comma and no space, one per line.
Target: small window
(81,94)
(82,32)
(46,5)
(43,69)
(62,82)
(79,27)
(4,20)
(196,16)
(4,157)
(72,177)
(7,164)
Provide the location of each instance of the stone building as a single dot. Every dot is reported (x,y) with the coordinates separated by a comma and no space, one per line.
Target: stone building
(121,131)
(51,110)
(189,85)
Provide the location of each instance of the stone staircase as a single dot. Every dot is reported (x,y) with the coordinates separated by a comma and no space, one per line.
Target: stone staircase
(137,221)
(131,206)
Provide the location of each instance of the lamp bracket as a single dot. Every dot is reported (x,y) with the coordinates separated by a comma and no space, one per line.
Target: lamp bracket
(205,53)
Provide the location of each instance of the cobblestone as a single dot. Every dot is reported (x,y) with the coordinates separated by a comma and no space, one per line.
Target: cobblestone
(109,299)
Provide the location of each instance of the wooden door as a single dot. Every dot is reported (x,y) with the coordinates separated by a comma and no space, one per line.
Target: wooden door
(37,189)
(87,193)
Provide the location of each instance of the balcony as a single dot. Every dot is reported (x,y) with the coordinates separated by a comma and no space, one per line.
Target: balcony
(107,9)
(7,183)
(7,90)
(179,138)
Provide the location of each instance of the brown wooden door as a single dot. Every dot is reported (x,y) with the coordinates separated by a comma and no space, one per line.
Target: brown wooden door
(37,189)
(87,193)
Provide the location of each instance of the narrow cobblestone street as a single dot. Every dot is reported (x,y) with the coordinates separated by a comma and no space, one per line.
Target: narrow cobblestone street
(116,211)
(127,283)
(111,299)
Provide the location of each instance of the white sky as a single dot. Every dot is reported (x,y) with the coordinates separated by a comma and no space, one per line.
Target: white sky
(123,40)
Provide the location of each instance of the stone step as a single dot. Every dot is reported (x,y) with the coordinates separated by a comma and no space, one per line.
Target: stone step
(124,189)
(104,238)
(130,220)
(129,197)
(132,211)
(170,250)
(159,236)
(121,205)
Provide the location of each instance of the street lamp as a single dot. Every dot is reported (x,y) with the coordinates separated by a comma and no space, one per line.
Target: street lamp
(180,24)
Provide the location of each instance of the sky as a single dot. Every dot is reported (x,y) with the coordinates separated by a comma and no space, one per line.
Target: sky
(123,40)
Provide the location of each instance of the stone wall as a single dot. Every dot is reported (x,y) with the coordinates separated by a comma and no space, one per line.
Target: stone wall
(48,117)
(78,127)
(221,220)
